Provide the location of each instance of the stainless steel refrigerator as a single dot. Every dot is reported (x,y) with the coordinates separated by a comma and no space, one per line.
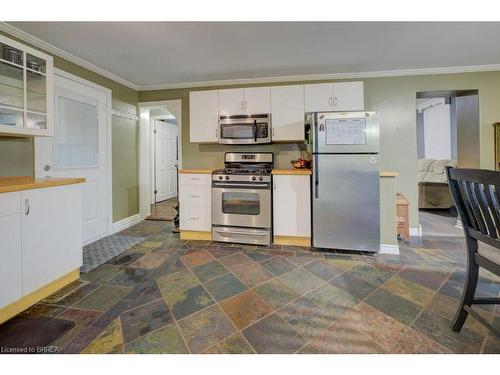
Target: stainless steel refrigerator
(345,181)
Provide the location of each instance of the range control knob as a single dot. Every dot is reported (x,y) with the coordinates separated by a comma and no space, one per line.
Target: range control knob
(261,178)
(253,178)
(227,177)
(220,177)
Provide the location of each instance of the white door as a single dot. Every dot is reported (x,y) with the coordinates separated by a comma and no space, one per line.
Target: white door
(287,113)
(319,97)
(79,149)
(348,96)
(204,116)
(165,160)
(257,100)
(231,102)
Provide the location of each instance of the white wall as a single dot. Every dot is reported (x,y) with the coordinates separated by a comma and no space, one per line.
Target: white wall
(437,132)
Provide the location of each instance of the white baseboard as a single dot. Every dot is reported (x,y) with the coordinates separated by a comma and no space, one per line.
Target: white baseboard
(389,249)
(416,231)
(126,223)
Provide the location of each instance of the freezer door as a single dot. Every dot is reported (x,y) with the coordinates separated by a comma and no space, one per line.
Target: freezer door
(346,202)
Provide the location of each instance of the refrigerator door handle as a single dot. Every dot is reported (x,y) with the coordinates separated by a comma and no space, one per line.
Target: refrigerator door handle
(316,176)
(315,132)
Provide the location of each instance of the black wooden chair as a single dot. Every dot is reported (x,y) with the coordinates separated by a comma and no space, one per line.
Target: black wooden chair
(476,193)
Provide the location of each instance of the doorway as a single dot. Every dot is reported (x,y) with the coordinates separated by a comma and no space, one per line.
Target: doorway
(81,147)
(447,135)
(160,158)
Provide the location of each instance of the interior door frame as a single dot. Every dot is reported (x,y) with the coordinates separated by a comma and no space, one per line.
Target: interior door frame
(146,149)
(108,155)
(152,120)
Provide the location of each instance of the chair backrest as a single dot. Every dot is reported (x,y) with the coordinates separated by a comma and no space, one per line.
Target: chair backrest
(476,193)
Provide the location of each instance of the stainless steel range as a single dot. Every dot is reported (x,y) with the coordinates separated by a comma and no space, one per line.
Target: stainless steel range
(241,198)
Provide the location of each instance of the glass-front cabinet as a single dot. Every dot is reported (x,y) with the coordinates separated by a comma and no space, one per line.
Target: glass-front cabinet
(26,90)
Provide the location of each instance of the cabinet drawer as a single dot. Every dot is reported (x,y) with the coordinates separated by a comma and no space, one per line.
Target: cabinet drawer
(195,195)
(10,203)
(195,218)
(195,179)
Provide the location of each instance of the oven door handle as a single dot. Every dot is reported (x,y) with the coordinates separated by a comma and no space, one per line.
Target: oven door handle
(223,185)
(237,232)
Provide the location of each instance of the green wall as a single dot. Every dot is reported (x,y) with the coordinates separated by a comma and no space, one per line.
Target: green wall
(395,98)
(16,154)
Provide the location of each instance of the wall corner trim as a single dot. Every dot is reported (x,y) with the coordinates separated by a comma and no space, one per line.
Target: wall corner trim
(126,223)
(416,231)
(389,249)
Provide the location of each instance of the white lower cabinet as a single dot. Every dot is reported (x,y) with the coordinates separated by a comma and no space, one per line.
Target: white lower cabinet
(292,205)
(51,234)
(11,287)
(41,238)
(195,197)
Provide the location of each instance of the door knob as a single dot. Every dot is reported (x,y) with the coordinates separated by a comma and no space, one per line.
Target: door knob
(46,168)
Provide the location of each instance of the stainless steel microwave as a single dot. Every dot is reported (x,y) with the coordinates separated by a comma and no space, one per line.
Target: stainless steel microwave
(245,129)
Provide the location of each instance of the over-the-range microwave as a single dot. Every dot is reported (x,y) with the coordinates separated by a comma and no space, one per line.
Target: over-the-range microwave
(245,129)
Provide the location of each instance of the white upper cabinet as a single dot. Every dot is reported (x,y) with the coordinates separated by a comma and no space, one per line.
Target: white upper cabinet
(319,97)
(257,100)
(26,90)
(348,96)
(342,96)
(254,100)
(231,102)
(287,113)
(204,116)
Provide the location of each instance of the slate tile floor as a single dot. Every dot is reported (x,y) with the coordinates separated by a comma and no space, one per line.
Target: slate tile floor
(166,295)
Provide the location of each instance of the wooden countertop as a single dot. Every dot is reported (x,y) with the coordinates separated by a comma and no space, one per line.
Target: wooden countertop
(304,171)
(17,183)
(196,171)
(389,174)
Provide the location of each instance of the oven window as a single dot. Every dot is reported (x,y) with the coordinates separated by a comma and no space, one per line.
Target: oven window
(241,203)
(237,131)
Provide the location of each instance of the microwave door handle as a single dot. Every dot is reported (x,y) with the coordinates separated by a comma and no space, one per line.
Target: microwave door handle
(255,130)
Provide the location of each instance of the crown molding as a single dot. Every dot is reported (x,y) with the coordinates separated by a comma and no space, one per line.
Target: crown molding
(9,29)
(324,77)
(28,38)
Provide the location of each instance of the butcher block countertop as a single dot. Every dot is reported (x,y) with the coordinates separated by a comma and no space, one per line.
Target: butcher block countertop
(304,171)
(196,171)
(17,183)
(388,174)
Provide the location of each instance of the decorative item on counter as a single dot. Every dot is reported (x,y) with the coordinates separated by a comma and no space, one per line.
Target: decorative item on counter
(301,163)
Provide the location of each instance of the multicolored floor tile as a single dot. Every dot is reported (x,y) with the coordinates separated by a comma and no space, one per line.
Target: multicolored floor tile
(109,341)
(144,319)
(276,293)
(164,340)
(205,328)
(278,265)
(224,286)
(233,345)
(245,308)
(167,295)
(273,335)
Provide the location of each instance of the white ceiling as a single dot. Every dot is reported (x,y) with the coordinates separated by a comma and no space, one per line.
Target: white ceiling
(157,53)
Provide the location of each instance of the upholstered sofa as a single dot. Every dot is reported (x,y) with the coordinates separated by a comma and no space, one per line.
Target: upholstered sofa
(433,190)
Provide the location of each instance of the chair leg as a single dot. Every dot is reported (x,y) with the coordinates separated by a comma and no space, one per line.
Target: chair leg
(471,278)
